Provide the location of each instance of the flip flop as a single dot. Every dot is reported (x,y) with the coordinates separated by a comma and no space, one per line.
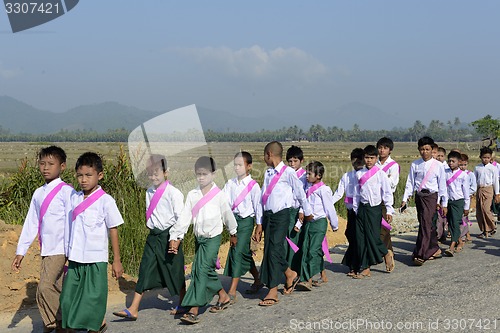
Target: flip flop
(273,300)
(418,261)
(289,290)
(190,318)
(362,276)
(218,307)
(305,286)
(254,288)
(449,252)
(103,328)
(125,314)
(319,282)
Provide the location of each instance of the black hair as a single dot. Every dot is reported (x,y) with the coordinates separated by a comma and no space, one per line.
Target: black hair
(317,168)
(53,151)
(426,141)
(357,153)
(465,157)
(247,157)
(485,150)
(296,152)
(158,159)
(455,154)
(205,162)
(91,160)
(434,146)
(274,147)
(441,149)
(385,142)
(370,150)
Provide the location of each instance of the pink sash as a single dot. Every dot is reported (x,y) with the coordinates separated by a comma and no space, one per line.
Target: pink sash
(300,172)
(272,184)
(455,176)
(348,200)
(87,203)
(326,250)
(313,188)
(155,199)
(388,166)
(494,163)
(428,174)
(239,199)
(204,200)
(369,174)
(45,205)
(386,224)
(294,247)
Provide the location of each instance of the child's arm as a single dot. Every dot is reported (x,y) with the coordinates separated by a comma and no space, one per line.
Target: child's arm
(177,199)
(410,185)
(300,194)
(28,234)
(442,189)
(387,197)
(228,218)
(339,193)
(328,206)
(466,193)
(393,176)
(117,267)
(179,229)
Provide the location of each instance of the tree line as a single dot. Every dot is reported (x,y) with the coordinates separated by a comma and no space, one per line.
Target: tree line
(451,131)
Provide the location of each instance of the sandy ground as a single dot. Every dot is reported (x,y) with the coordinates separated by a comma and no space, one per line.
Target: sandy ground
(18,289)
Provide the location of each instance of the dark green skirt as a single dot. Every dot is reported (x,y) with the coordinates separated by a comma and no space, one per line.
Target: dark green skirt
(292,258)
(274,263)
(371,249)
(239,259)
(160,269)
(351,254)
(454,216)
(84,296)
(204,280)
(311,251)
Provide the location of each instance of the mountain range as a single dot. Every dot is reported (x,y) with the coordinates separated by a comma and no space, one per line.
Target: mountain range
(19,117)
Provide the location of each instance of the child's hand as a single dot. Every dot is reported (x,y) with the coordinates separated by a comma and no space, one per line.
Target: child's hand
(233,240)
(466,212)
(173,246)
(497,198)
(16,263)
(388,218)
(301,217)
(117,269)
(309,218)
(257,236)
(445,211)
(296,229)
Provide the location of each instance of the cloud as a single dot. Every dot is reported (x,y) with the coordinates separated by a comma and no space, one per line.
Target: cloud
(8,73)
(259,64)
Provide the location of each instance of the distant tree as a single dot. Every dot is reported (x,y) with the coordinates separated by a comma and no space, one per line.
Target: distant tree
(487,126)
(417,130)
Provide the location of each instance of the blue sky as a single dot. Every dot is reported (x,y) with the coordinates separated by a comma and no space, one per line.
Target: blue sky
(413,59)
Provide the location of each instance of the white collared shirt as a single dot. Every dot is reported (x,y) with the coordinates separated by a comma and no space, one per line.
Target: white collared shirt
(346,184)
(321,201)
(392,172)
(167,210)
(472,182)
(375,190)
(436,182)
(459,187)
(208,223)
(303,180)
(251,205)
(487,175)
(287,188)
(53,224)
(88,240)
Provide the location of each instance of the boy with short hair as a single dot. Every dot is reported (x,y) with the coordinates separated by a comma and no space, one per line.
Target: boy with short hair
(207,207)
(391,168)
(94,218)
(245,200)
(295,158)
(472,191)
(427,179)
(281,185)
(347,185)
(487,190)
(372,189)
(47,216)
(158,268)
(457,183)
(320,198)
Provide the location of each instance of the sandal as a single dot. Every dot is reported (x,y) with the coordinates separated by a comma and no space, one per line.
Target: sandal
(362,275)
(319,282)
(304,286)
(265,302)
(351,273)
(449,252)
(418,261)
(437,255)
(218,307)
(483,235)
(190,318)
(254,288)
(288,290)
(459,249)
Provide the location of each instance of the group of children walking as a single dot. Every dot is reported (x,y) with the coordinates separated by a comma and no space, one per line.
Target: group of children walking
(292,211)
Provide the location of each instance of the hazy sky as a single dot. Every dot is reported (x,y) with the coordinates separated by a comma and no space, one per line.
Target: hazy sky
(415,59)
